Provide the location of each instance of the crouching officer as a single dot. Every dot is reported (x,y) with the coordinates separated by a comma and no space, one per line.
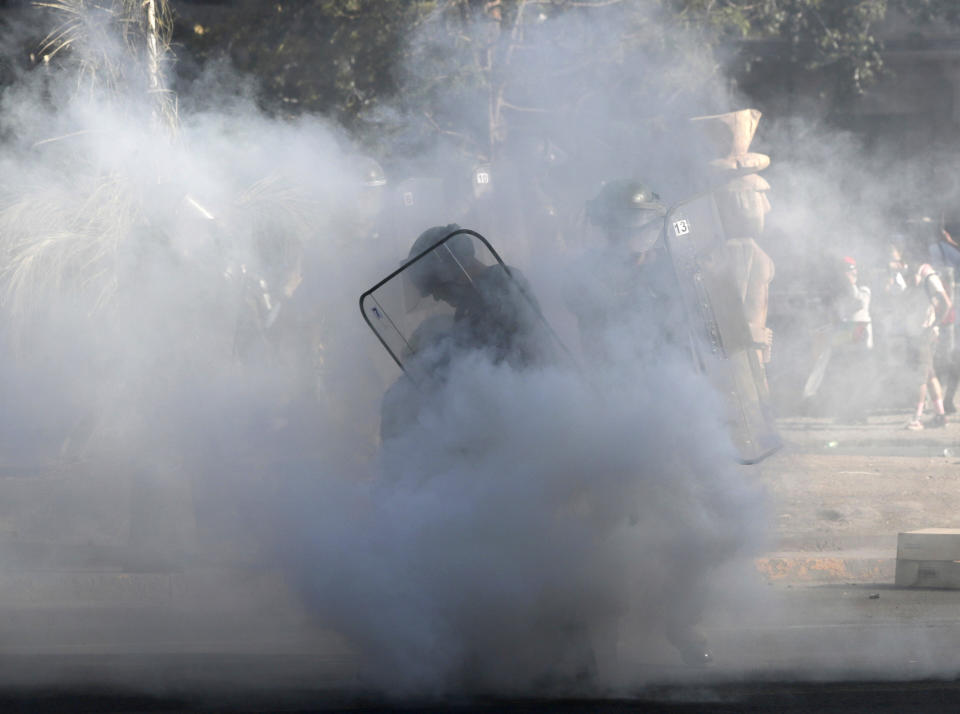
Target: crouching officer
(457,298)
(453,301)
(494,308)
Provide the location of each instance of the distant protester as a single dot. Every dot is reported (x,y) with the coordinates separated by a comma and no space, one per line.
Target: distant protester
(946,250)
(945,256)
(854,307)
(927,304)
(887,308)
(844,354)
(856,331)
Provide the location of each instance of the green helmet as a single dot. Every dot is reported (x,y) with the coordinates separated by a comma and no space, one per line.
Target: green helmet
(624,203)
(629,212)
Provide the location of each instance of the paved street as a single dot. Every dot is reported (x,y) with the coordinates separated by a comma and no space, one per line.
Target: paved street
(818,605)
(840,494)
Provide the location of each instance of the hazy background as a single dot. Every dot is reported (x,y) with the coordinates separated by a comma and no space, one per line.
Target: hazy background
(150,196)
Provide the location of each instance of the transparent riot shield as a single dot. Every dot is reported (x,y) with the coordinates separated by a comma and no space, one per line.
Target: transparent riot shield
(722,342)
(439,300)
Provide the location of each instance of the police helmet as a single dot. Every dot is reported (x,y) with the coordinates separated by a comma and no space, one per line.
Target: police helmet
(371,173)
(439,267)
(624,203)
(552,155)
(628,210)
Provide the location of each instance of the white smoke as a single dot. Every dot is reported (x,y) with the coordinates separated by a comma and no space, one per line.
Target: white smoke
(500,538)
(493,547)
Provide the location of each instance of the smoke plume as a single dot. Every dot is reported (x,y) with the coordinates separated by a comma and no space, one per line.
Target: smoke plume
(501,541)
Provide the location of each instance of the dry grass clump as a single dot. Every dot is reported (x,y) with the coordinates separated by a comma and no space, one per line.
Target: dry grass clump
(80,226)
(61,234)
(120,45)
(63,241)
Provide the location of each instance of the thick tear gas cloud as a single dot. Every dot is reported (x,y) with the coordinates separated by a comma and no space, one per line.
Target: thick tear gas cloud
(520,512)
(521,515)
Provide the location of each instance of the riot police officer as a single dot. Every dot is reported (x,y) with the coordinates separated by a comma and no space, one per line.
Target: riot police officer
(631,282)
(629,279)
(494,308)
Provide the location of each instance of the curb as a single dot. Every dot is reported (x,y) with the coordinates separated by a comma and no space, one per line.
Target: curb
(819,568)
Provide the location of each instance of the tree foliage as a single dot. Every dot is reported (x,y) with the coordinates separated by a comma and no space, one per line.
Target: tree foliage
(329,56)
(837,36)
(345,58)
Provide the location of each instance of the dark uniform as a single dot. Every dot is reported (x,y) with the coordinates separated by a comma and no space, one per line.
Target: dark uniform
(432,346)
(630,285)
(493,312)
(494,308)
